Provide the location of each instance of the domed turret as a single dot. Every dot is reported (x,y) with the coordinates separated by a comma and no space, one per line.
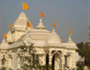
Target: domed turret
(70,40)
(40,25)
(53,37)
(4,44)
(9,37)
(71,44)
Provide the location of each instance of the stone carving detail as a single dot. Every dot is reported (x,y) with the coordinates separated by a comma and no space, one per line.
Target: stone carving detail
(27,42)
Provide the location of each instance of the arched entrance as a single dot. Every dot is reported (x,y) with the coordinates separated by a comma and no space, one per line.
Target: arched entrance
(56,60)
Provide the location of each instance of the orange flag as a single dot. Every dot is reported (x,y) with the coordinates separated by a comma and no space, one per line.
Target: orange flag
(28,24)
(25,6)
(5,36)
(54,24)
(42,15)
(10,26)
(70,32)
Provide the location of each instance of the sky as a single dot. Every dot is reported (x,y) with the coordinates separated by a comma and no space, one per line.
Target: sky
(74,14)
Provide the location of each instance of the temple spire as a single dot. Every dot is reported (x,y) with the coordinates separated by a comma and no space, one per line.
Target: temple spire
(40,25)
(53,30)
(70,40)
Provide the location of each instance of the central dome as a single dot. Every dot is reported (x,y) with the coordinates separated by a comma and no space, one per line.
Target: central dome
(54,38)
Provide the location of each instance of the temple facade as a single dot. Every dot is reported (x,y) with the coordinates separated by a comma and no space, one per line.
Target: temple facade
(48,45)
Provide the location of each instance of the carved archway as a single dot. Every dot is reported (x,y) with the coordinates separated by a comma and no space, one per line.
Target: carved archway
(56,59)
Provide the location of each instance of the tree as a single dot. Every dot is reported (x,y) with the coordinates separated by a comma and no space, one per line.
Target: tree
(84,51)
(3,68)
(29,60)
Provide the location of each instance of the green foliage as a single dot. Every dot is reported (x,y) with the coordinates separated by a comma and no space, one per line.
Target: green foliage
(3,68)
(80,68)
(84,51)
(45,67)
(59,69)
(29,61)
(32,62)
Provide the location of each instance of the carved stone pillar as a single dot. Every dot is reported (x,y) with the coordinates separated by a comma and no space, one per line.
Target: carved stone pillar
(44,59)
(73,61)
(6,63)
(19,62)
(18,57)
(62,61)
(0,58)
(10,62)
(68,61)
(40,60)
(10,59)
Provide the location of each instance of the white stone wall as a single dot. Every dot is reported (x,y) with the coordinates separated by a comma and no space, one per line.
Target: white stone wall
(17,35)
(13,61)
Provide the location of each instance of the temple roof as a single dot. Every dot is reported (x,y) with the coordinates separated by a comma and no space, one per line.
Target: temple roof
(9,37)
(21,21)
(39,36)
(4,44)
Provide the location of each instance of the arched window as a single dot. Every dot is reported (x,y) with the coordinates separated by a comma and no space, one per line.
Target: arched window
(3,61)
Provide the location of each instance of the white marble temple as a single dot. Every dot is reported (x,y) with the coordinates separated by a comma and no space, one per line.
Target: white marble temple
(60,54)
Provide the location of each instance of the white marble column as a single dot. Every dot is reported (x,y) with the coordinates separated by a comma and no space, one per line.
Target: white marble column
(19,62)
(68,61)
(15,61)
(44,59)
(9,62)
(12,61)
(10,58)
(73,60)
(57,61)
(0,59)
(62,61)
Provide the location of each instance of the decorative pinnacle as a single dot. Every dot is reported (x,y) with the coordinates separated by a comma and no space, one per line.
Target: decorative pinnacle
(40,25)
(40,20)
(70,40)
(53,30)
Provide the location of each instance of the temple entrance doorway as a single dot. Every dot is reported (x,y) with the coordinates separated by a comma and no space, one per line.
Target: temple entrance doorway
(56,60)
